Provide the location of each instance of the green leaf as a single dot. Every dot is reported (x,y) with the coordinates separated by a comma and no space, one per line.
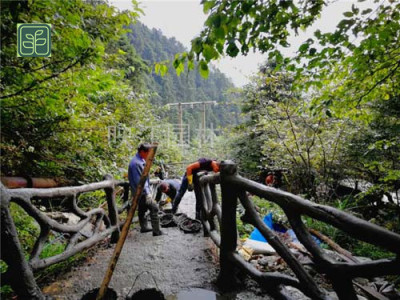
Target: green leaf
(157,68)
(246,5)
(180,68)
(366,11)
(312,51)
(207,5)
(163,70)
(176,63)
(190,65)
(355,9)
(215,20)
(197,45)
(220,32)
(304,47)
(348,14)
(203,69)
(328,113)
(245,49)
(220,47)
(232,49)
(209,52)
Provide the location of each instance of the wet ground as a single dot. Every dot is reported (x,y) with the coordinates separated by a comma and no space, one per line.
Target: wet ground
(173,263)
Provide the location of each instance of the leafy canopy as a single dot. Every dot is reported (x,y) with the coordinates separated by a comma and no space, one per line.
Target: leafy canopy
(356,63)
(348,77)
(55,111)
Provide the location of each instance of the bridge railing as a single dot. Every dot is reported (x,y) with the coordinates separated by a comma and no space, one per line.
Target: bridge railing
(19,272)
(219,220)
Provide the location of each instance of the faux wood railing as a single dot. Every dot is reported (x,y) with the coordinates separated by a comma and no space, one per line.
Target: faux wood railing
(219,220)
(19,270)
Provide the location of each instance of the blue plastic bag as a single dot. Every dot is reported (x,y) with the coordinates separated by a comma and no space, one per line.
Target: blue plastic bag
(256,234)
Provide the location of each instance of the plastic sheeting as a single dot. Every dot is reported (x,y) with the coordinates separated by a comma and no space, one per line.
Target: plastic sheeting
(257,236)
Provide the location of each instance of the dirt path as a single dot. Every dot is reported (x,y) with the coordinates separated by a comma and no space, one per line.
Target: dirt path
(176,260)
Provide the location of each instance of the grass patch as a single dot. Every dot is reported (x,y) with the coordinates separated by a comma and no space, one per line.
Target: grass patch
(92,199)
(27,228)
(5,290)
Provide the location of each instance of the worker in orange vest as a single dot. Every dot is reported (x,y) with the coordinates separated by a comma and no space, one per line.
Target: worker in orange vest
(202,164)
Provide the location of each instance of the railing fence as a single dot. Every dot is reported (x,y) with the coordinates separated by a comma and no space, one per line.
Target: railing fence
(223,215)
(19,272)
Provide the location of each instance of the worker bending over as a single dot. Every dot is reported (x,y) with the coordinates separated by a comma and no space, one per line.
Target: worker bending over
(203,164)
(170,187)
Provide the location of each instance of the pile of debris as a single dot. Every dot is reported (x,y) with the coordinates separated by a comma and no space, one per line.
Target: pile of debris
(185,223)
(263,257)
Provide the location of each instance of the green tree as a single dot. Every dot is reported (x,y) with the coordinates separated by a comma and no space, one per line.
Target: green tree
(282,133)
(55,111)
(351,74)
(347,69)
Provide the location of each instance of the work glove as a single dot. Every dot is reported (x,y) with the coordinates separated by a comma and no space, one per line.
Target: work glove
(168,200)
(149,199)
(190,179)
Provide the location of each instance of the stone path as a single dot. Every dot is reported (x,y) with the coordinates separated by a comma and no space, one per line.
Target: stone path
(175,262)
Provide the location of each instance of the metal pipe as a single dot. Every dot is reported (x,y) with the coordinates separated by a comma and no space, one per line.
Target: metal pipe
(180,124)
(28,182)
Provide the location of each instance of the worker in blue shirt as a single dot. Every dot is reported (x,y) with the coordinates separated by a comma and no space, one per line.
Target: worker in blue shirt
(146,202)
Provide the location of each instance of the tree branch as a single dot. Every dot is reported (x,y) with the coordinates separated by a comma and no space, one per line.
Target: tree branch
(37,82)
(391,73)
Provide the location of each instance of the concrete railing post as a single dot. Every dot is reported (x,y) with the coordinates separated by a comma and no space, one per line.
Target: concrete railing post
(112,208)
(227,279)
(19,274)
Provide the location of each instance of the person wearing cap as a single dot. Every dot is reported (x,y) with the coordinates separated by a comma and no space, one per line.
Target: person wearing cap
(136,167)
(202,164)
(170,187)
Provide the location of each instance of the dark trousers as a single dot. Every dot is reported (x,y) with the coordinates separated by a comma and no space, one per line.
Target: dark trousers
(143,206)
(197,193)
(181,192)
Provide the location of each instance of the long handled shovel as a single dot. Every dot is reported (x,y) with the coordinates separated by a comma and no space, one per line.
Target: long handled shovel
(125,228)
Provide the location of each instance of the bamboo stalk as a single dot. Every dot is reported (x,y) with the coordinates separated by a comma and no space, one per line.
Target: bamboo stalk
(125,228)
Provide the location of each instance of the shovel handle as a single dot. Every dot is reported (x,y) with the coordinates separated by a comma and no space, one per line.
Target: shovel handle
(128,221)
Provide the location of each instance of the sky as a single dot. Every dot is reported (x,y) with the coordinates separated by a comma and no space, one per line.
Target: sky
(184,19)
